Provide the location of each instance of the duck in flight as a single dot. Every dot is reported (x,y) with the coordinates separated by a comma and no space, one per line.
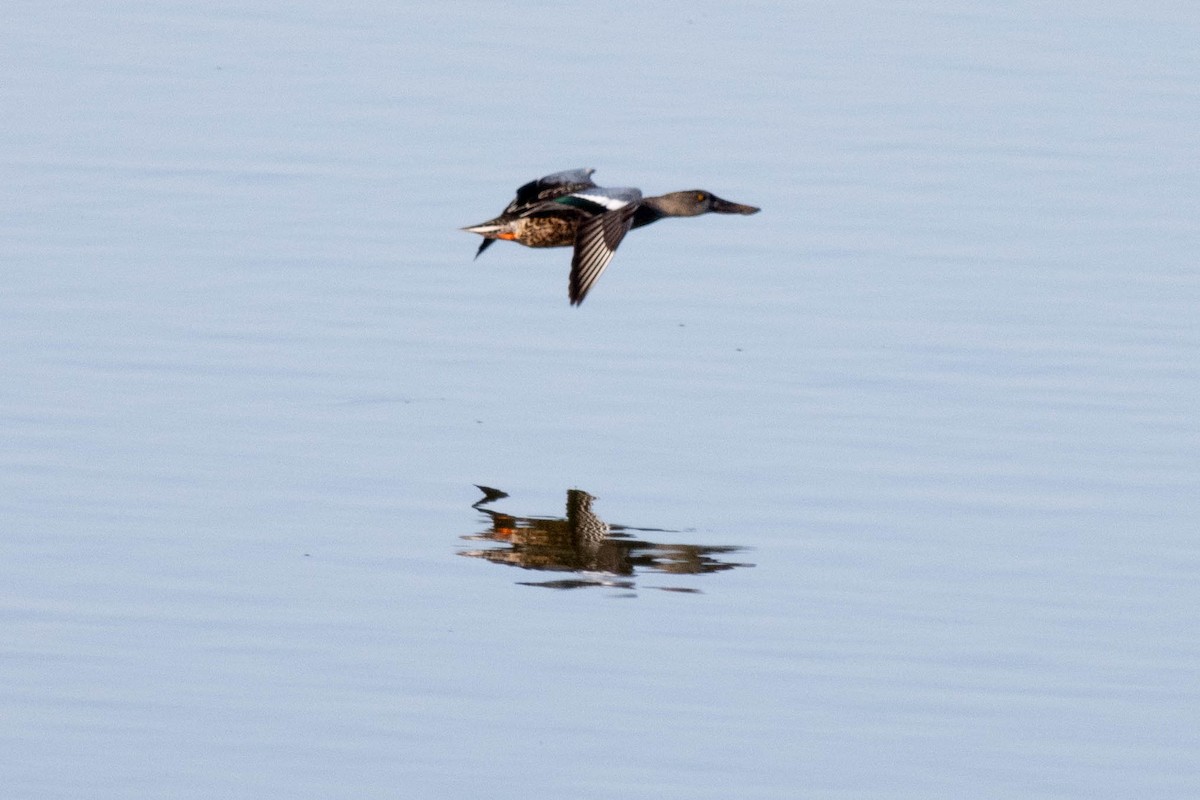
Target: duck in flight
(567,209)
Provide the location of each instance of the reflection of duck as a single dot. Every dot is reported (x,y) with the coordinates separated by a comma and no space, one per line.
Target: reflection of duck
(567,209)
(584,543)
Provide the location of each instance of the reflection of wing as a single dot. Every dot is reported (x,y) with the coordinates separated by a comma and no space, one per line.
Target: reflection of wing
(489,494)
(583,523)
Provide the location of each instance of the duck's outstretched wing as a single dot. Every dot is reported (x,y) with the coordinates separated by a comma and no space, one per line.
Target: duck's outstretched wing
(484,245)
(608,215)
(557,185)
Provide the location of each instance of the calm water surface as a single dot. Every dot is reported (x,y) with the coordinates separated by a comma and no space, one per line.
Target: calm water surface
(885,492)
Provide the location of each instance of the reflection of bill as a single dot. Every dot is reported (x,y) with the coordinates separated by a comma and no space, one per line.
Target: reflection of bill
(581,542)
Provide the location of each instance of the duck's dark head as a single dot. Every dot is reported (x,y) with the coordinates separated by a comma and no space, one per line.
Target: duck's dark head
(693,203)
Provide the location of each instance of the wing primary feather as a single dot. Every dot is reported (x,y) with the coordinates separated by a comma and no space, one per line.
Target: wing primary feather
(595,244)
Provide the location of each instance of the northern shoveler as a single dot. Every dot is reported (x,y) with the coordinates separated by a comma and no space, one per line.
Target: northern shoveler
(567,209)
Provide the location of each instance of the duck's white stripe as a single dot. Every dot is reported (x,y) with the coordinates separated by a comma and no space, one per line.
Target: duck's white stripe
(611,203)
(485,228)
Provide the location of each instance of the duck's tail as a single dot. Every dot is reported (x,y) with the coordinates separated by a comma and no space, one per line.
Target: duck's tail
(490,231)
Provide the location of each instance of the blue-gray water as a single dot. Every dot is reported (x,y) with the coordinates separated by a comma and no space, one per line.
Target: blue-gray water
(933,411)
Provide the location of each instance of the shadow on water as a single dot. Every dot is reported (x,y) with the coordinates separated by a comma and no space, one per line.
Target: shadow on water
(599,553)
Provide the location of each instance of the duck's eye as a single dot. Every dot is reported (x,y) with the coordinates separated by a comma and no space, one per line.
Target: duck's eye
(701,197)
